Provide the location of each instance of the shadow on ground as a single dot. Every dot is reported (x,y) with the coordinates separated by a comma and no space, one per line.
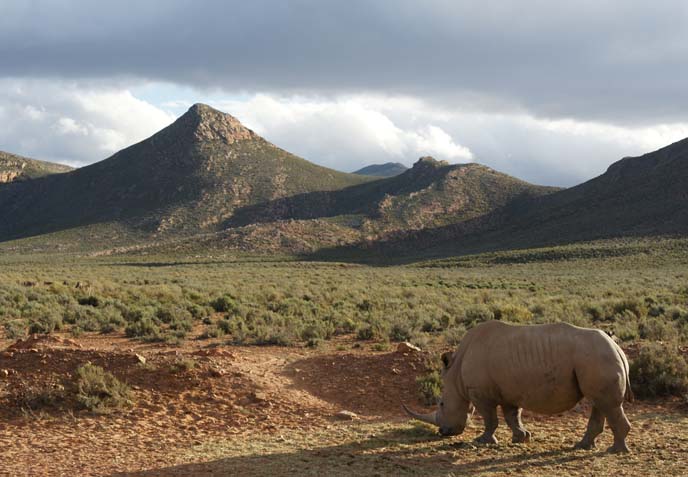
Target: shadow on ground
(409,451)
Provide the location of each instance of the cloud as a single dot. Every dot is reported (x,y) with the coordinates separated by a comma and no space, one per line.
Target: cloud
(346,133)
(620,62)
(72,123)
(349,132)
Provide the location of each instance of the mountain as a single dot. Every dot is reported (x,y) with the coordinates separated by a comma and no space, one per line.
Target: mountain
(636,196)
(188,178)
(645,195)
(388,169)
(206,181)
(17,168)
(429,195)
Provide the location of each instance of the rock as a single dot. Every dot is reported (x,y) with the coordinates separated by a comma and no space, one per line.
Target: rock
(140,358)
(213,352)
(346,415)
(258,396)
(4,373)
(7,354)
(217,372)
(406,347)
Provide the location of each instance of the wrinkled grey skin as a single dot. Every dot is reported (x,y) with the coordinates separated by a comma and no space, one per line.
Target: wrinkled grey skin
(541,368)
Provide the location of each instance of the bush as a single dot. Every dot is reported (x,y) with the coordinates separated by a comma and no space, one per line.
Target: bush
(99,391)
(512,313)
(430,387)
(89,301)
(659,371)
(365,332)
(182,365)
(656,329)
(225,304)
(144,328)
(401,331)
(46,322)
(635,306)
(15,329)
(478,314)
(454,335)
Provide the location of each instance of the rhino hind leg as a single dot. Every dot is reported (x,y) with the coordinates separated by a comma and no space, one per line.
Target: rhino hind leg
(512,416)
(488,411)
(595,428)
(620,428)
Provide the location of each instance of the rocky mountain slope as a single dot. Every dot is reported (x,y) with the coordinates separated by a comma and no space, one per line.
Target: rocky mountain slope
(207,181)
(388,169)
(189,177)
(636,196)
(15,168)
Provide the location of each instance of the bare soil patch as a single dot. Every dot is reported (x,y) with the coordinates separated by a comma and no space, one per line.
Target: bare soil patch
(203,409)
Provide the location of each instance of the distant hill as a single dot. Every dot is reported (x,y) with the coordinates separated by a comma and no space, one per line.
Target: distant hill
(636,196)
(431,194)
(388,169)
(187,178)
(206,182)
(646,195)
(17,168)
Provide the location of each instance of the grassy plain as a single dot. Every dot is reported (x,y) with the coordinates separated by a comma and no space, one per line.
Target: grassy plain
(279,316)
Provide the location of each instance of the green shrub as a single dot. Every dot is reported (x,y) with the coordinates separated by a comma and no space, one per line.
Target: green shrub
(512,313)
(99,391)
(182,365)
(15,329)
(430,387)
(659,370)
(89,301)
(627,331)
(225,304)
(478,314)
(401,331)
(144,328)
(657,329)
(635,306)
(173,313)
(454,335)
(46,322)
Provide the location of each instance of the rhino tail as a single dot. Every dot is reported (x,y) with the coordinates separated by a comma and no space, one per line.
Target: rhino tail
(628,395)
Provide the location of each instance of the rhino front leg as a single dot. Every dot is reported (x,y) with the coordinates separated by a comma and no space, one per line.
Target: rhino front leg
(595,428)
(488,411)
(512,416)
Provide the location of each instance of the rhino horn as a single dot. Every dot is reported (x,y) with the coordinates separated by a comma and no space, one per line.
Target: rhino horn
(430,418)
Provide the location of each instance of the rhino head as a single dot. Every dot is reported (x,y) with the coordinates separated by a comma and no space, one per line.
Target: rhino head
(453,409)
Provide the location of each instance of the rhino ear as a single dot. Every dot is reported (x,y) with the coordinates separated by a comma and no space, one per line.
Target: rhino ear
(446,359)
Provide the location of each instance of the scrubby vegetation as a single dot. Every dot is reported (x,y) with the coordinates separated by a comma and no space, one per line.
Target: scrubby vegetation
(659,370)
(635,295)
(99,391)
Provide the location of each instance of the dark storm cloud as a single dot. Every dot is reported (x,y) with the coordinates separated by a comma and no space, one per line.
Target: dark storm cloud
(623,62)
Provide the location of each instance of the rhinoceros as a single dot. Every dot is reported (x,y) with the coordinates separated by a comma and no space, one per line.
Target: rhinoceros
(546,369)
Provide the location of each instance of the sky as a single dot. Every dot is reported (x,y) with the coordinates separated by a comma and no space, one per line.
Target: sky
(550,92)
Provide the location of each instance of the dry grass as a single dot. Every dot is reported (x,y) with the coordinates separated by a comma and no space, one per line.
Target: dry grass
(659,442)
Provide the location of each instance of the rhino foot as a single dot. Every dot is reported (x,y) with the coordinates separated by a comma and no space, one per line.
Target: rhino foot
(486,439)
(585,445)
(619,449)
(521,437)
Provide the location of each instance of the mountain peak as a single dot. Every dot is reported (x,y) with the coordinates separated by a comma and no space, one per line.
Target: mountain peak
(209,124)
(428,162)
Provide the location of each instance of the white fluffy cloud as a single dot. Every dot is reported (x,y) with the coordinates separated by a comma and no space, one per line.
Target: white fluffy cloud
(345,133)
(72,123)
(82,123)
